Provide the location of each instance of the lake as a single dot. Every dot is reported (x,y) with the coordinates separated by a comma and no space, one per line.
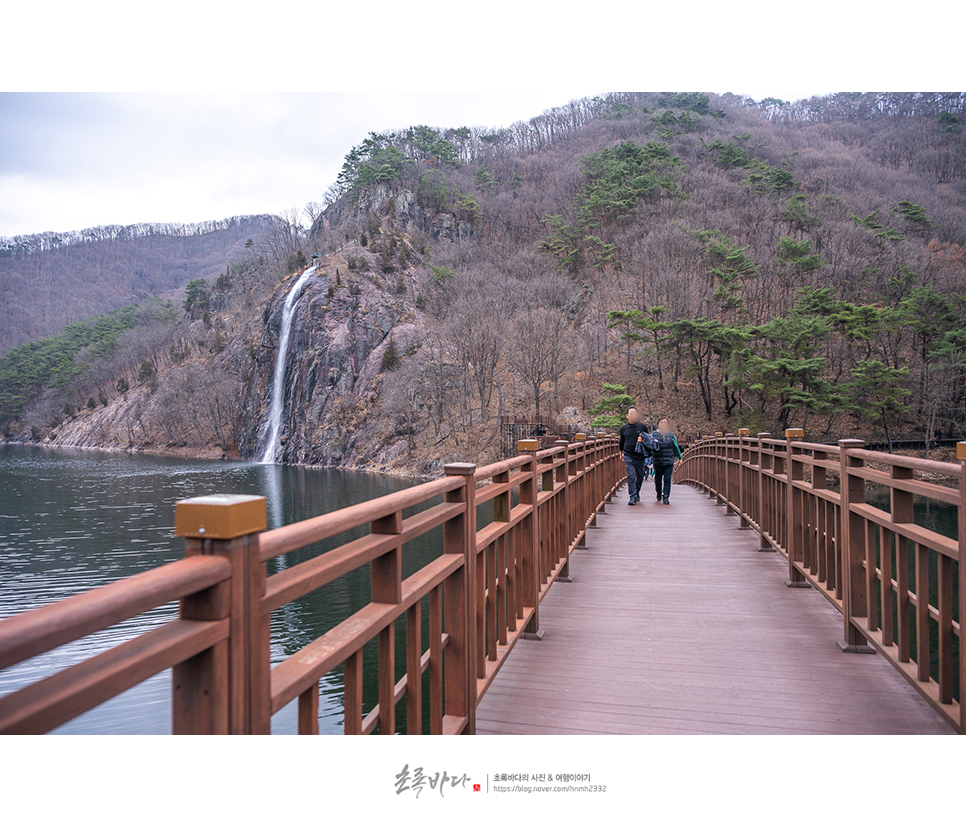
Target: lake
(73,520)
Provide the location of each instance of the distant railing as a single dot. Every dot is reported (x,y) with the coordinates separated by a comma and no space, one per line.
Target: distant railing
(483,594)
(901,586)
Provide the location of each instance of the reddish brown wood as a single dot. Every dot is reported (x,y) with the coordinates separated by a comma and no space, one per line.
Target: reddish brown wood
(308,720)
(41,629)
(922,611)
(902,597)
(304,533)
(414,671)
(459,537)
(387,569)
(885,559)
(756,658)
(43,705)
(299,580)
(352,698)
(945,648)
(435,661)
(294,674)
(387,680)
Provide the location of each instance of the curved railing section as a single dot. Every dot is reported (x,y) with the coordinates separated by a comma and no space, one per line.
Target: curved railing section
(869,546)
(479,597)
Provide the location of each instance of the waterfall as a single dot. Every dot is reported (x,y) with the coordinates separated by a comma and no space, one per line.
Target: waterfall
(277,408)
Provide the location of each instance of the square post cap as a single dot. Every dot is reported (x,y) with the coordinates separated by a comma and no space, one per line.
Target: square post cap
(719,434)
(791,434)
(580,437)
(743,432)
(961,450)
(461,469)
(529,445)
(220,516)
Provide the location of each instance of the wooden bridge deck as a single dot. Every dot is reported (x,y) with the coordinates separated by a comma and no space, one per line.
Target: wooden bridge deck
(675,623)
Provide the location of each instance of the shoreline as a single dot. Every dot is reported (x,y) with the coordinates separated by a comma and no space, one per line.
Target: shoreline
(215,454)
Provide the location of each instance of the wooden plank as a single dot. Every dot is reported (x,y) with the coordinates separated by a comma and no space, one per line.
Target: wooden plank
(885,560)
(50,702)
(414,670)
(322,655)
(387,680)
(491,599)
(352,698)
(902,597)
(308,721)
(435,661)
(298,580)
(922,611)
(696,639)
(945,649)
(274,543)
(41,629)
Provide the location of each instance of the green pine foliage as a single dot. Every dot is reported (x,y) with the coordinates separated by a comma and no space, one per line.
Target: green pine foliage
(54,362)
(617,181)
(612,407)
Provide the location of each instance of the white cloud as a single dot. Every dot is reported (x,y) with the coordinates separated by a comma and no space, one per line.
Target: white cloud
(71,161)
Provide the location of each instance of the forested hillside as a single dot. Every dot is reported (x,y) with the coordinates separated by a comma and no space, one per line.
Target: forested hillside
(730,262)
(50,280)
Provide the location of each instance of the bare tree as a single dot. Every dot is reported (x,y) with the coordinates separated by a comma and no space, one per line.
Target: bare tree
(541,349)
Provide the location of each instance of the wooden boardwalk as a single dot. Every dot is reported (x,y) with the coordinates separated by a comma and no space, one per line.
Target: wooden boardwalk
(676,623)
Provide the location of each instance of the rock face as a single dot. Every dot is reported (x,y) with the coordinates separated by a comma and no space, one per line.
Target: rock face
(335,383)
(402,208)
(211,398)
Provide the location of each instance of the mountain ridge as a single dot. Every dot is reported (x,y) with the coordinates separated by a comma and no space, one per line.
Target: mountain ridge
(720,264)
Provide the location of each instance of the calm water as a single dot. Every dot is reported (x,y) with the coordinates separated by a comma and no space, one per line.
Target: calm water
(71,521)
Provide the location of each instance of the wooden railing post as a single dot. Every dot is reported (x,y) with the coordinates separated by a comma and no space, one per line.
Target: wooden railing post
(744,462)
(386,585)
(763,544)
(794,471)
(575,490)
(603,485)
(459,590)
(851,549)
(731,487)
(533,528)
(214,691)
(717,463)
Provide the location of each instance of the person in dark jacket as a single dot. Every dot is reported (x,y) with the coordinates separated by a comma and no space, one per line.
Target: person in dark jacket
(665,452)
(632,433)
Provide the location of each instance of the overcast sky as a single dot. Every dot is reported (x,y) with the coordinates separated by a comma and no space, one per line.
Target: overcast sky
(69,161)
(73,160)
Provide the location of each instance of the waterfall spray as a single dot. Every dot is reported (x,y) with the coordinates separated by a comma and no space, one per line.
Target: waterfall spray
(276,411)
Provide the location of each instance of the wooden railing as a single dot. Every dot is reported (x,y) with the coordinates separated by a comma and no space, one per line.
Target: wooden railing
(901,586)
(483,594)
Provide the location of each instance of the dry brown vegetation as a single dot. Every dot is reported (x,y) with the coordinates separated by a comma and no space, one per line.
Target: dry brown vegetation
(494,269)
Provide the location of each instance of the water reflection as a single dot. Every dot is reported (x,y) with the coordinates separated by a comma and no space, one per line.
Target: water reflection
(74,520)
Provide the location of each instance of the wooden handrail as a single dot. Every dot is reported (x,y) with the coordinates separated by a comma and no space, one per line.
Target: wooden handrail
(303,533)
(862,558)
(483,591)
(42,629)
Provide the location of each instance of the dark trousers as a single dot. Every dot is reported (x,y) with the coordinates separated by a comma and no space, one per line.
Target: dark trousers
(662,479)
(635,476)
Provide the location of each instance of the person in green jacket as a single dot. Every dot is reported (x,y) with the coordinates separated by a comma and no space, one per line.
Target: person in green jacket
(665,453)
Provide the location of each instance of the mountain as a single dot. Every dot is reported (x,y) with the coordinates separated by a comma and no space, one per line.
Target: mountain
(724,261)
(50,280)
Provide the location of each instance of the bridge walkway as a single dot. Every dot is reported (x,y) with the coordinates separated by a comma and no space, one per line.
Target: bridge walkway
(676,623)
